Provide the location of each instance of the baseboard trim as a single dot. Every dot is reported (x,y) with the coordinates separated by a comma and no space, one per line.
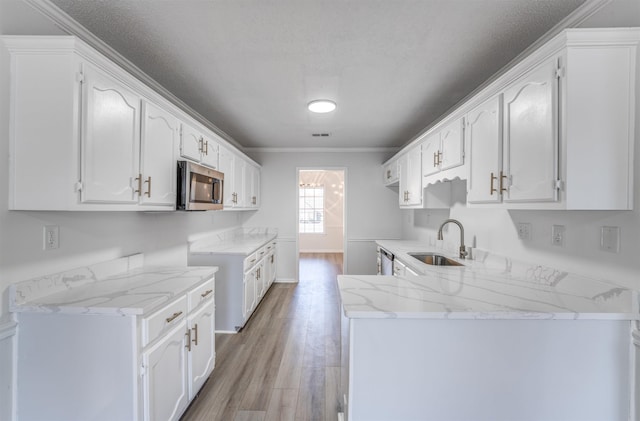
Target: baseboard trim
(286,281)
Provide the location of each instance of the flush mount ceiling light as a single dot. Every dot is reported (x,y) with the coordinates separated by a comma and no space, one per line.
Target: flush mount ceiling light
(321,106)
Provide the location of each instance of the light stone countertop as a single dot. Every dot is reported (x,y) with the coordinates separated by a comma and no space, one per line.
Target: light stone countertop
(112,288)
(488,287)
(243,243)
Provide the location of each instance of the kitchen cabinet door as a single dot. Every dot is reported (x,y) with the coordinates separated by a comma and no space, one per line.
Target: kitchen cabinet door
(191,143)
(110,140)
(390,173)
(226,166)
(452,145)
(210,151)
(158,165)
(430,154)
(165,389)
(531,136)
(201,357)
(249,288)
(272,265)
(255,186)
(239,183)
(484,132)
(410,190)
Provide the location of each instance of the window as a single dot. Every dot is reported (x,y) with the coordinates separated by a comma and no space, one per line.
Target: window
(311,209)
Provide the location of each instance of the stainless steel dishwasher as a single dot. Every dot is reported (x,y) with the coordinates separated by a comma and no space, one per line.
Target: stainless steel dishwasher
(386,262)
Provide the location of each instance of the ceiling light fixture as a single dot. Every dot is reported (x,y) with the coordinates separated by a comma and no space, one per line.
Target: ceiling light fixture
(321,106)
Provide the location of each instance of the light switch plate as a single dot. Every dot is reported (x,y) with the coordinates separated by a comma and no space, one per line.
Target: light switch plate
(610,239)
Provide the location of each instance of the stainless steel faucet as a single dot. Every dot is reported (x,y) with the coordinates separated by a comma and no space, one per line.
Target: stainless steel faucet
(463,250)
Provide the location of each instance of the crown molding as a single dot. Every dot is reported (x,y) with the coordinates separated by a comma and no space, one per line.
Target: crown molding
(573,20)
(72,27)
(320,150)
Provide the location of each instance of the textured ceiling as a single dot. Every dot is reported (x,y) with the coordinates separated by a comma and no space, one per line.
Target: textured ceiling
(251,66)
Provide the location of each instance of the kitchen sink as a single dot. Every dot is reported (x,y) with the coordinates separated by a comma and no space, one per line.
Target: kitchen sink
(435,259)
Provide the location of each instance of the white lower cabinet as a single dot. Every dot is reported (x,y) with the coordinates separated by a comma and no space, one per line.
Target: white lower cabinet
(165,389)
(249,292)
(242,281)
(201,355)
(116,366)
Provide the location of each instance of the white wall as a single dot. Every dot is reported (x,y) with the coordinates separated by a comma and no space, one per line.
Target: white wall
(331,240)
(371,209)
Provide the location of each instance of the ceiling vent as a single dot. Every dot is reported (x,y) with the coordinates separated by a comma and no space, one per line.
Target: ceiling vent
(320,134)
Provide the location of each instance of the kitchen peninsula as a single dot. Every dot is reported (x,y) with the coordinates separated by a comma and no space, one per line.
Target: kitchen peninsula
(117,340)
(492,340)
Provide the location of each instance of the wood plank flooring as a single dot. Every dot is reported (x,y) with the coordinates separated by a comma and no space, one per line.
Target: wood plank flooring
(285,364)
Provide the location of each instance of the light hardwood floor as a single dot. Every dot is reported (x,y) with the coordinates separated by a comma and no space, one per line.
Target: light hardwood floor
(285,364)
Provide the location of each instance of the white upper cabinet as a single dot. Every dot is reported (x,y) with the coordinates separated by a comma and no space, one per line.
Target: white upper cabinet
(252,177)
(227,163)
(443,148)
(110,140)
(241,189)
(531,135)
(514,143)
(430,154)
(198,147)
(410,170)
(484,140)
(390,173)
(157,164)
(555,131)
(103,140)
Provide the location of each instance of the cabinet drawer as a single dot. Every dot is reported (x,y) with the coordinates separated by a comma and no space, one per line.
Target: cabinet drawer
(250,261)
(261,253)
(201,294)
(163,320)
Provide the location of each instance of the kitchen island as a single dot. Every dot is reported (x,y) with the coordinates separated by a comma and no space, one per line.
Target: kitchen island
(492,340)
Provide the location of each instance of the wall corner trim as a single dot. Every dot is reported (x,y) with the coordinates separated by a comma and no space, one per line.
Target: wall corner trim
(8,328)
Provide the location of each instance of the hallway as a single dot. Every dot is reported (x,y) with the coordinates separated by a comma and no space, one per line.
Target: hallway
(285,364)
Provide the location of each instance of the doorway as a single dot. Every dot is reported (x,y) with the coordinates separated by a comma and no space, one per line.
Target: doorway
(321,223)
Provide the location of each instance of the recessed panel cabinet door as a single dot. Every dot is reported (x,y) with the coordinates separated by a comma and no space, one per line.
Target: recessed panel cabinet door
(110,140)
(452,145)
(191,143)
(226,166)
(484,136)
(165,392)
(531,135)
(430,154)
(202,354)
(249,293)
(158,166)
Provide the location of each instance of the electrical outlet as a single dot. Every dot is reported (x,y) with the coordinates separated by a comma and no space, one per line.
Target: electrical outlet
(610,239)
(51,237)
(524,231)
(557,235)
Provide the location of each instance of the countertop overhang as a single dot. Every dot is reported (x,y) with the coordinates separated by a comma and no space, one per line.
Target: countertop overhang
(488,287)
(134,291)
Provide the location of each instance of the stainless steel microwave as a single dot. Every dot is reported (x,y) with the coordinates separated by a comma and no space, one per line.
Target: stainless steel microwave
(199,188)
